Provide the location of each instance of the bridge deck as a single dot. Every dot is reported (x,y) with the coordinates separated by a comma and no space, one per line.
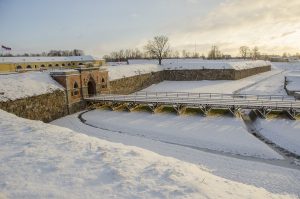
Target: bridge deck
(217,100)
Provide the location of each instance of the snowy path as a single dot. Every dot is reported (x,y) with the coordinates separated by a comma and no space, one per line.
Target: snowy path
(272,85)
(276,179)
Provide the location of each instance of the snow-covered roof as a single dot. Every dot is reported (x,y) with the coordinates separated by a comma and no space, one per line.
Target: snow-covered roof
(41,160)
(85,58)
(22,85)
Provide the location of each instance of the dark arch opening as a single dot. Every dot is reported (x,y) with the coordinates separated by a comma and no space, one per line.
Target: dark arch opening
(91,87)
(75,89)
(28,67)
(50,65)
(57,65)
(63,64)
(42,66)
(19,67)
(69,64)
(103,80)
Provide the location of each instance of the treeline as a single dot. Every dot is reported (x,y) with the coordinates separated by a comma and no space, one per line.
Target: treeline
(126,54)
(51,53)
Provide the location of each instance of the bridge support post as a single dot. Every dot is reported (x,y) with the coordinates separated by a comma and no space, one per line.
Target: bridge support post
(131,106)
(153,107)
(180,109)
(234,110)
(205,109)
(292,113)
(264,112)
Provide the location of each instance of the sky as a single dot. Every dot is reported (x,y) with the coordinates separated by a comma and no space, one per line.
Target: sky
(101,26)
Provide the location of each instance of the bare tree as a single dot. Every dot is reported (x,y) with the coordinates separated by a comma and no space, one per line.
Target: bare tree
(158,47)
(255,53)
(244,51)
(214,53)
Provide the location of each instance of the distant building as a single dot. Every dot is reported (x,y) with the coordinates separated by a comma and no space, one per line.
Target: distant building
(279,59)
(19,64)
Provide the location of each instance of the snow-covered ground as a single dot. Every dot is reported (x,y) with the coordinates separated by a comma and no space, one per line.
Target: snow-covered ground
(224,134)
(283,132)
(207,86)
(39,160)
(191,64)
(121,71)
(136,67)
(293,81)
(21,85)
(246,170)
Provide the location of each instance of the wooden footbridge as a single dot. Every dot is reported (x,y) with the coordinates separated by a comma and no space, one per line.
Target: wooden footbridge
(262,104)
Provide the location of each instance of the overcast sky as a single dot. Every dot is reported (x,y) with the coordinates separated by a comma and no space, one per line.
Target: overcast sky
(101,26)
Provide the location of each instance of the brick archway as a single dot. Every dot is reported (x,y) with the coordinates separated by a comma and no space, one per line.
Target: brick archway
(91,87)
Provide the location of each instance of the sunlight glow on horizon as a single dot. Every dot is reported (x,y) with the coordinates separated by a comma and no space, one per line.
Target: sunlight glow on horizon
(99,27)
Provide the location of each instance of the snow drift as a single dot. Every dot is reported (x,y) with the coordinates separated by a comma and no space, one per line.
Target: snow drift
(22,85)
(39,160)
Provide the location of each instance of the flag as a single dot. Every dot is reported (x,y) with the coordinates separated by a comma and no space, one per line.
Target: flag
(5,47)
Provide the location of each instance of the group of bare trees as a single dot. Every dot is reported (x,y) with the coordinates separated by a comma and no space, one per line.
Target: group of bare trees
(124,55)
(51,53)
(247,53)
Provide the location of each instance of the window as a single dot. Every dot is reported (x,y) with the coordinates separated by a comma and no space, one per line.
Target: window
(75,89)
(63,64)
(69,64)
(57,65)
(50,65)
(103,80)
(28,67)
(43,66)
(19,67)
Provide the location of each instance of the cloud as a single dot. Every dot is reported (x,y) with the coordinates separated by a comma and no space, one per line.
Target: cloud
(242,22)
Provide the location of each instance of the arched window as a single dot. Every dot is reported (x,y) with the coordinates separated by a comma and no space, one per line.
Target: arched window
(103,83)
(80,64)
(57,65)
(50,65)
(19,67)
(42,66)
(75,89)
(63,64)
(28,67)
(69,64)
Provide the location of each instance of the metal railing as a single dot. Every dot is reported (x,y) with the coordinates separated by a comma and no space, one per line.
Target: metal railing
(196,99)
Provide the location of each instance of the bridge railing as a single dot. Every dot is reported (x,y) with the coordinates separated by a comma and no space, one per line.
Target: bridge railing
(215,95)
(203,98)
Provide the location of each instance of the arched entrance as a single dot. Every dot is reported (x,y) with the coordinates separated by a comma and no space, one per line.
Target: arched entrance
(91,87)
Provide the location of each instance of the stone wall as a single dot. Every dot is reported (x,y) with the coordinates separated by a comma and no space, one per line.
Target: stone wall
(47,107)
(196,75)
(136,83)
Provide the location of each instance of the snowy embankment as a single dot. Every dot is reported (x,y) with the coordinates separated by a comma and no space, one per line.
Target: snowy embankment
(39,160)
(122,71)
(224,134)
(284,133)
(22,85)
(293,81)
(215,86)
(194,64)
(136,67)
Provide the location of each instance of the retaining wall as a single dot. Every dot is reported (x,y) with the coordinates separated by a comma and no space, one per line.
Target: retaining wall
(47,107)
(136,83)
